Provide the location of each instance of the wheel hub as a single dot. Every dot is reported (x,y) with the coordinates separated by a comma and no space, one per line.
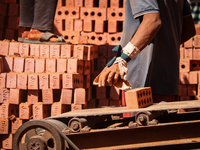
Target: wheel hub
(36,143)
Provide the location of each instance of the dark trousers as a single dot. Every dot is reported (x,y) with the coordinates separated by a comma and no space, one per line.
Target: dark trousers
(37,14)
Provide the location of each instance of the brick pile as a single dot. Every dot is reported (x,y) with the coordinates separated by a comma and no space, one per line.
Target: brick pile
(190,69)
(9,19)
(90,21)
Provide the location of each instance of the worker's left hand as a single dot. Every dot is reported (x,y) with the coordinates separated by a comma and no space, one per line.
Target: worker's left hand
(109,74)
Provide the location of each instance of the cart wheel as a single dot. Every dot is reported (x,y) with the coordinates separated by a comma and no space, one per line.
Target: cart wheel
(37,135)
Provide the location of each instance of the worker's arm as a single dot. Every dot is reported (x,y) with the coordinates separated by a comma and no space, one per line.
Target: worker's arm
(188,29)
(147,30)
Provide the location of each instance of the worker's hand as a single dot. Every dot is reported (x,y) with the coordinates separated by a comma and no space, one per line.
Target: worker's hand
(109,74)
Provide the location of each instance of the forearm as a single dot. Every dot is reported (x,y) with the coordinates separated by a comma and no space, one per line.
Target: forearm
(147,30)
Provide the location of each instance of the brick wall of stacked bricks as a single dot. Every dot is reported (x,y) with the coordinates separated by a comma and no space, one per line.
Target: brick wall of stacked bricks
(37,81)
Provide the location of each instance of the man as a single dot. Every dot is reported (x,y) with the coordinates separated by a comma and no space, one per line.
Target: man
(38,17)
(153,32)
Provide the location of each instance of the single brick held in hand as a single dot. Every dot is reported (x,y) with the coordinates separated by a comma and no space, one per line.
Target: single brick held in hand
(139,98)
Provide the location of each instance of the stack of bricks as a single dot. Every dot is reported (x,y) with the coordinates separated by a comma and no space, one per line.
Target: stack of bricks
(90,21)
(190,68)
(9,19)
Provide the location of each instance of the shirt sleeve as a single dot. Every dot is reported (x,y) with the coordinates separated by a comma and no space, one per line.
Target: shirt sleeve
(186,8)
(141,7)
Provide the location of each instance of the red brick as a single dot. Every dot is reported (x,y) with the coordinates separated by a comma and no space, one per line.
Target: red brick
(89,93)
(18,64)
(184,65)
(11,80)
(194,65)
(100,92)
(16,123)
(80,51)
(197,27)
(66,51)
(4,95)
(4,124)
(197,41)
(54,51)
(55,81)
(103,3)
(93,13)
(10,34)
(184,98)
(4,47)
(40,65)
(75,66)
(78,3)
(87,25)
(78,25)
(14,48)
(193,77)
(70,3)
(116,14)
(32,96)
(184,78)
(80,40)
(101,64)
(43,81)
(17,96)
(69,25)
(196,54)
(58,26)
(35,50)
(92,103)
(111,54)
(114,93)
(22,81)
(103,103)
(72,81)
(188,53)
(114,39)
(8,64)
(183,90)
(66,96)
(189,43)
(32,81)
(182,53)
(2,80)
(103,50)
(44,51)
(13,22)
(51,65)
(79,96)
(114,103)
(8,109)
(87,67)
(67,12)
(89,3)
(13,9)
(100,39)
(192,90)
(58,108)
(24,49)
(41,111)
(29,65)
(87,81)
(91,50)
(112,26)
(62,65)
(1,65)
(99,26)
(76,107)
(69,35)
(7,141)
(114,3)
(47,96)
(138,98)
(3,9)
(25,111)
